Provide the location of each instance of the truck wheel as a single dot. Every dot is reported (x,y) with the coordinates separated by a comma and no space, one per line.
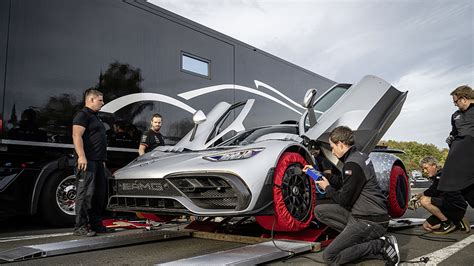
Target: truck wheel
(293,195)
(398,192)
(57,204)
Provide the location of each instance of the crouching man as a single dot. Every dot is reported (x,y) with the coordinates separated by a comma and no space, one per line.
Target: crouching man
(360,209)
(447,208)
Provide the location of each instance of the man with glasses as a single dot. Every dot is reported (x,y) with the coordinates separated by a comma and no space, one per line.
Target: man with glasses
(458,171)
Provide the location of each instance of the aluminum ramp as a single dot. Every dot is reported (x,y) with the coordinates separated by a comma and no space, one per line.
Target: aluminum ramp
(250,255)
(87,244)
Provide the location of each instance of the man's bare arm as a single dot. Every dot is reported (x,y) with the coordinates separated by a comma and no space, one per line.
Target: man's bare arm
(77,132)
(141,149)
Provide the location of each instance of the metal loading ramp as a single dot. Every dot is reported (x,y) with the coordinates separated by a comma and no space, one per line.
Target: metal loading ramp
(250,255)
(88,244)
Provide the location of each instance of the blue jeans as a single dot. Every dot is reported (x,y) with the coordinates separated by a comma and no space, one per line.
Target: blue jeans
(358,239)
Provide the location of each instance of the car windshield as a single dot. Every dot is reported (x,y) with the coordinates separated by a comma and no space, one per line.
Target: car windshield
(251,135)
(327,101)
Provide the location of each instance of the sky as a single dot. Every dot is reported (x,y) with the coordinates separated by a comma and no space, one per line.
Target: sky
(423,46)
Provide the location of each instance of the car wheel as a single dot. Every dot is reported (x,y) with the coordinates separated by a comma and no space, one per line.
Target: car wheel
(398,192)
(57,204)
(293,196)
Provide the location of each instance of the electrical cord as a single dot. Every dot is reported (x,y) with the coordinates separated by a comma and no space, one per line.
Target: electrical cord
(421,260)
(308,258)
(424,236)
(292,252)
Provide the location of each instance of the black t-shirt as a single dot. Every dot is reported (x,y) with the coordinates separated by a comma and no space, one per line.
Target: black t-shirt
(94,137)
(463,122)
(151,140)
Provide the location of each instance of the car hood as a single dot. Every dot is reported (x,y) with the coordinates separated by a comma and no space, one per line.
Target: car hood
(161,163)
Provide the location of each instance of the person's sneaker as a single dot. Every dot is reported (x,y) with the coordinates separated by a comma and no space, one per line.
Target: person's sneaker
(102,229)
(390,251)
(446,227)
(464,225)
(84,231)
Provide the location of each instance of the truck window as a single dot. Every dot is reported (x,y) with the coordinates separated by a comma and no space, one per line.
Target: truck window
(195,65)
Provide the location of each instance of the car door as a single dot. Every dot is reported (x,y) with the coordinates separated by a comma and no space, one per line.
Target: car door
(224,120)
(368,108)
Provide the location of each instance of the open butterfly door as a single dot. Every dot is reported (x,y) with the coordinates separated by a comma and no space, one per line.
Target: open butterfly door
(368,107)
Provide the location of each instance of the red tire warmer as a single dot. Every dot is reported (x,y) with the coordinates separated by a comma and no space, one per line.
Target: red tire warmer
(282,218)
(154,217)
(394,208)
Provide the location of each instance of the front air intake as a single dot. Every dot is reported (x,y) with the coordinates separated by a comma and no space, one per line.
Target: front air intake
(213,191)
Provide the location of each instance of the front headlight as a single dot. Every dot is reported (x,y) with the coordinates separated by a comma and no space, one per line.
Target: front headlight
(234,155)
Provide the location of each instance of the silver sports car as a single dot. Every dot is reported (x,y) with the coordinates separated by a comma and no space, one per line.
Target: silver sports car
(258,172)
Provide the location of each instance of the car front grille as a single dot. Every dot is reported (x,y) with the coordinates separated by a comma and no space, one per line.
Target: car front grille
(221,191)
(144,204)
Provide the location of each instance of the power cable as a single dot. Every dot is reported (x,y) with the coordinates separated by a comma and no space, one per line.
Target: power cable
(424,236)
(421,260)
(292,252)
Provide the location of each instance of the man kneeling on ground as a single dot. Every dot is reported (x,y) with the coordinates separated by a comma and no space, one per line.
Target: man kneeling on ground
(360,209)
(447,208)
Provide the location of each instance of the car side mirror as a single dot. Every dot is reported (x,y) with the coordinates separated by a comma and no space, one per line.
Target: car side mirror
(199,117)
(309,101)
(310,98)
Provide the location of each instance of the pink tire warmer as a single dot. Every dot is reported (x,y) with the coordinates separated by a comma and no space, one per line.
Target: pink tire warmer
(282,218)
(396,182)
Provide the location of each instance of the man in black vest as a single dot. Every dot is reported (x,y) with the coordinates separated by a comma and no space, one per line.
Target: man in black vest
(90,145)
(359,211)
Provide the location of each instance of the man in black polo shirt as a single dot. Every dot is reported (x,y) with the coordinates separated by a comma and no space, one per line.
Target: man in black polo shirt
(359,211)
(90,144)
(458,171)
(152,138)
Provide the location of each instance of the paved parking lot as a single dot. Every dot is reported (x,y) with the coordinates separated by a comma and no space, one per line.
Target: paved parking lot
(456,248)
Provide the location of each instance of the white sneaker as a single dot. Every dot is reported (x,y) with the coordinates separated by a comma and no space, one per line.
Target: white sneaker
(390,250)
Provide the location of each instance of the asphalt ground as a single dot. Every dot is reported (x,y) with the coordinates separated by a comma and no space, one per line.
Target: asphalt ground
(411,246)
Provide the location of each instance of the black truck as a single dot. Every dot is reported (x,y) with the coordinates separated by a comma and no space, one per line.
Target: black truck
(145,60)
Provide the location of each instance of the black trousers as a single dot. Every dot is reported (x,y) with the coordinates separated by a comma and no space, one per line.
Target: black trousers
(458,170)
(451,204)
(358,239)
(468,194)
(91,194)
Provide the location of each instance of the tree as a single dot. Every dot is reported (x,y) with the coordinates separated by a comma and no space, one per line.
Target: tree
(415,151)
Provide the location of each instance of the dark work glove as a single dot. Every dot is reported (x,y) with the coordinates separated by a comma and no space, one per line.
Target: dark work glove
(450,140)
